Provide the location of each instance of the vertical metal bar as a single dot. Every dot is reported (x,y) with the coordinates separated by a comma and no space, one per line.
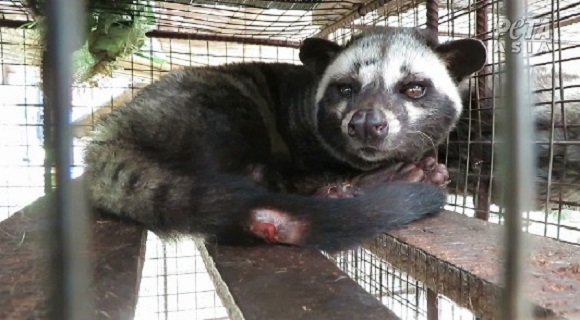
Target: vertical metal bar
(564,118)
(483,183)
(432,15)
(518,166)
(496,92)
(69,233)
(432,305)
(47,128)
(165,277)
(552,121)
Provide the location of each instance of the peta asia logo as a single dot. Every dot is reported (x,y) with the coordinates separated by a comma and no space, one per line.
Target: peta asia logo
(536,34)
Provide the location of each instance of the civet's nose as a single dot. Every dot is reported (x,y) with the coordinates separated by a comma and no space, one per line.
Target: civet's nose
(368,124)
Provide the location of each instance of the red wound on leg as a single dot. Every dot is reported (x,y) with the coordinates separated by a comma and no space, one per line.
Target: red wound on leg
(266,231)
(275,226)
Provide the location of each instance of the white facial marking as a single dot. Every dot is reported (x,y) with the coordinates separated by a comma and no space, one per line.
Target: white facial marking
(346,121)
(367,74)
(422,61)
(344,62)
(387,62)
(415,113)
(389,57)
(443,83)
(394,123)
(339,109)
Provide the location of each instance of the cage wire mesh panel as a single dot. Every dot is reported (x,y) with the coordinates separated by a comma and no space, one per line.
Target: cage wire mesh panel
(172,34)
(552,54)
(402,294)
(175,284)
(21,134)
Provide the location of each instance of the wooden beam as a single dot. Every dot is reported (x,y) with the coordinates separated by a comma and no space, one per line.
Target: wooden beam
(222,38)
(461,258)
(278,282)
(117,255)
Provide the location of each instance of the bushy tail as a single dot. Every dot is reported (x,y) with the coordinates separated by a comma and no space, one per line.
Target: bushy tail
(338,224)
(232,208)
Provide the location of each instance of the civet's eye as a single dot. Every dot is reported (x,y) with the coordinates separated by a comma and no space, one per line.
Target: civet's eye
(345,90)
(414,91)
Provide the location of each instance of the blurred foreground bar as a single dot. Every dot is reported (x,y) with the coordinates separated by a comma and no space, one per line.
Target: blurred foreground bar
(118,252)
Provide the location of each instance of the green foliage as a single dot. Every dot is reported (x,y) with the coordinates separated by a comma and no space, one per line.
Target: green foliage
(114,30)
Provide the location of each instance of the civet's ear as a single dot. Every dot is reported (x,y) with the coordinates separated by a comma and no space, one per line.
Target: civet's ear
(463,57)
(317,54)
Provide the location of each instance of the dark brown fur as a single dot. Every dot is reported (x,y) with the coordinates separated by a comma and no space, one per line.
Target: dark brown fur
(221,152)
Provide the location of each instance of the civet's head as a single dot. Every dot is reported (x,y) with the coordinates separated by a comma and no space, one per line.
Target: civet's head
(390,93)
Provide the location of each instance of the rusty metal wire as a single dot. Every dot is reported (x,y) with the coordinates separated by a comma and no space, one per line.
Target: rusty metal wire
(553,58)
(432,15)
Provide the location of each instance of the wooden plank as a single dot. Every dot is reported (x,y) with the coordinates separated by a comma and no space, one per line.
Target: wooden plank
(278,282)
(117,253)
(462,258)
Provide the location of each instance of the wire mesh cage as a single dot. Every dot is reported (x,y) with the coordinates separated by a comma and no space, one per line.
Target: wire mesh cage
(131,44)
